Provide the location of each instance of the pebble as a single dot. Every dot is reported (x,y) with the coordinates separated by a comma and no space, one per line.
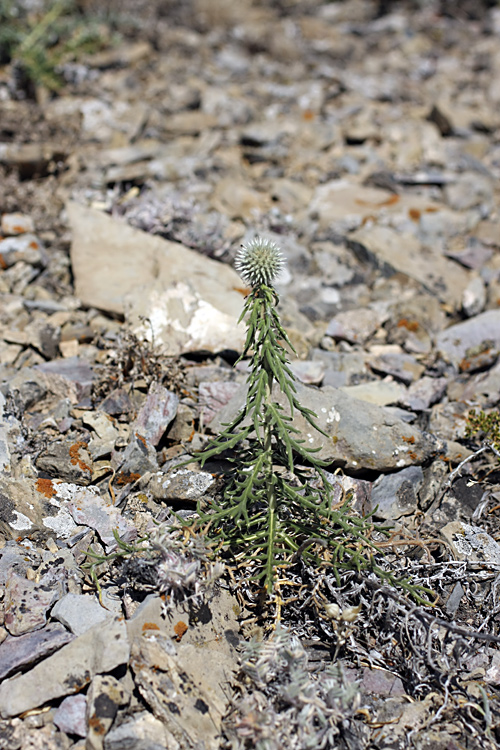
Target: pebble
(26,604)
(463,340)
(396,495)
(71,717)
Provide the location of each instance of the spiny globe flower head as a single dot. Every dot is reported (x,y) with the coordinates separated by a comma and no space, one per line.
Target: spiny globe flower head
(259,262)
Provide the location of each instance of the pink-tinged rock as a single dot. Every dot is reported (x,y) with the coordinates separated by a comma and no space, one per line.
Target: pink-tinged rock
(26,604)
(213,396)
(16,223)
(156,413)
(19,652)
(71,717)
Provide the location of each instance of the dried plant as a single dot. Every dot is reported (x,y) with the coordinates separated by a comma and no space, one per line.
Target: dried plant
(283,705)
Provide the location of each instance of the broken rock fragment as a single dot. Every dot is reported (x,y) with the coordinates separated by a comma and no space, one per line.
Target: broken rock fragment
(98,651)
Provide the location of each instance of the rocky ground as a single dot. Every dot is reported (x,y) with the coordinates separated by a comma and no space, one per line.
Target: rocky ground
(363,138)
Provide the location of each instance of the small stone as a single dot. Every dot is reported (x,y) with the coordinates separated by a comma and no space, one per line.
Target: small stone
(179,484)
(26,604)
(17,223)
(462,340)
(474,297)
(105,696)
(68,460)
(402,366)
(378,392)
(156,413)
(143,732)
(90,509)
(213,396)
(26,248)
(71,716)
(424,393)
(79,612)
(395,495)
(76,370)
(469,190)
(117,402)
(355,326)
(308,371)
(138,458)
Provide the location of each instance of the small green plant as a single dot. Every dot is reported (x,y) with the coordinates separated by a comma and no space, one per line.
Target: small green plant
(40,42)
(485,426)
(277,504)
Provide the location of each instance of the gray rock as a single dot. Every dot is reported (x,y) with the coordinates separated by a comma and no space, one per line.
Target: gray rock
(360,435)
(179,484)
(189,301)
(482,389)
(342,368)
(307,371)
(184,686)
(138,458)
(156,413)
(395,495)
(462,340)
(68,671)
(79,612)
(88,508)
(474,297)
(424,393)
(402,366)
(142,732)
(471,543)
(71,716)
(16,223)
(30,506)
(469,189)
(21,651)
(68,460)
(447,421)
(117,402)
(382,247)
(356,326)
(26,604)
(378,392)
(76,370)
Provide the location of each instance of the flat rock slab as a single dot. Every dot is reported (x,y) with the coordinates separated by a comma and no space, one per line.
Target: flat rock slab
(79,612)
(18,652)
(156,413)
(190,301)
(26,604)
(391,251)
(99,650)
(462,342)
(360,435)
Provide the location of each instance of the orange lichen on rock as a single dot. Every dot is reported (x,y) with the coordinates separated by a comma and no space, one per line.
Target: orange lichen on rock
(123,478)
(150,626)
(179,629)
(75,458)
(45,487)
(410,325)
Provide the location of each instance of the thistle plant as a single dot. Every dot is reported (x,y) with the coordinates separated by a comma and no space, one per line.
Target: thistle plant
(277,505)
